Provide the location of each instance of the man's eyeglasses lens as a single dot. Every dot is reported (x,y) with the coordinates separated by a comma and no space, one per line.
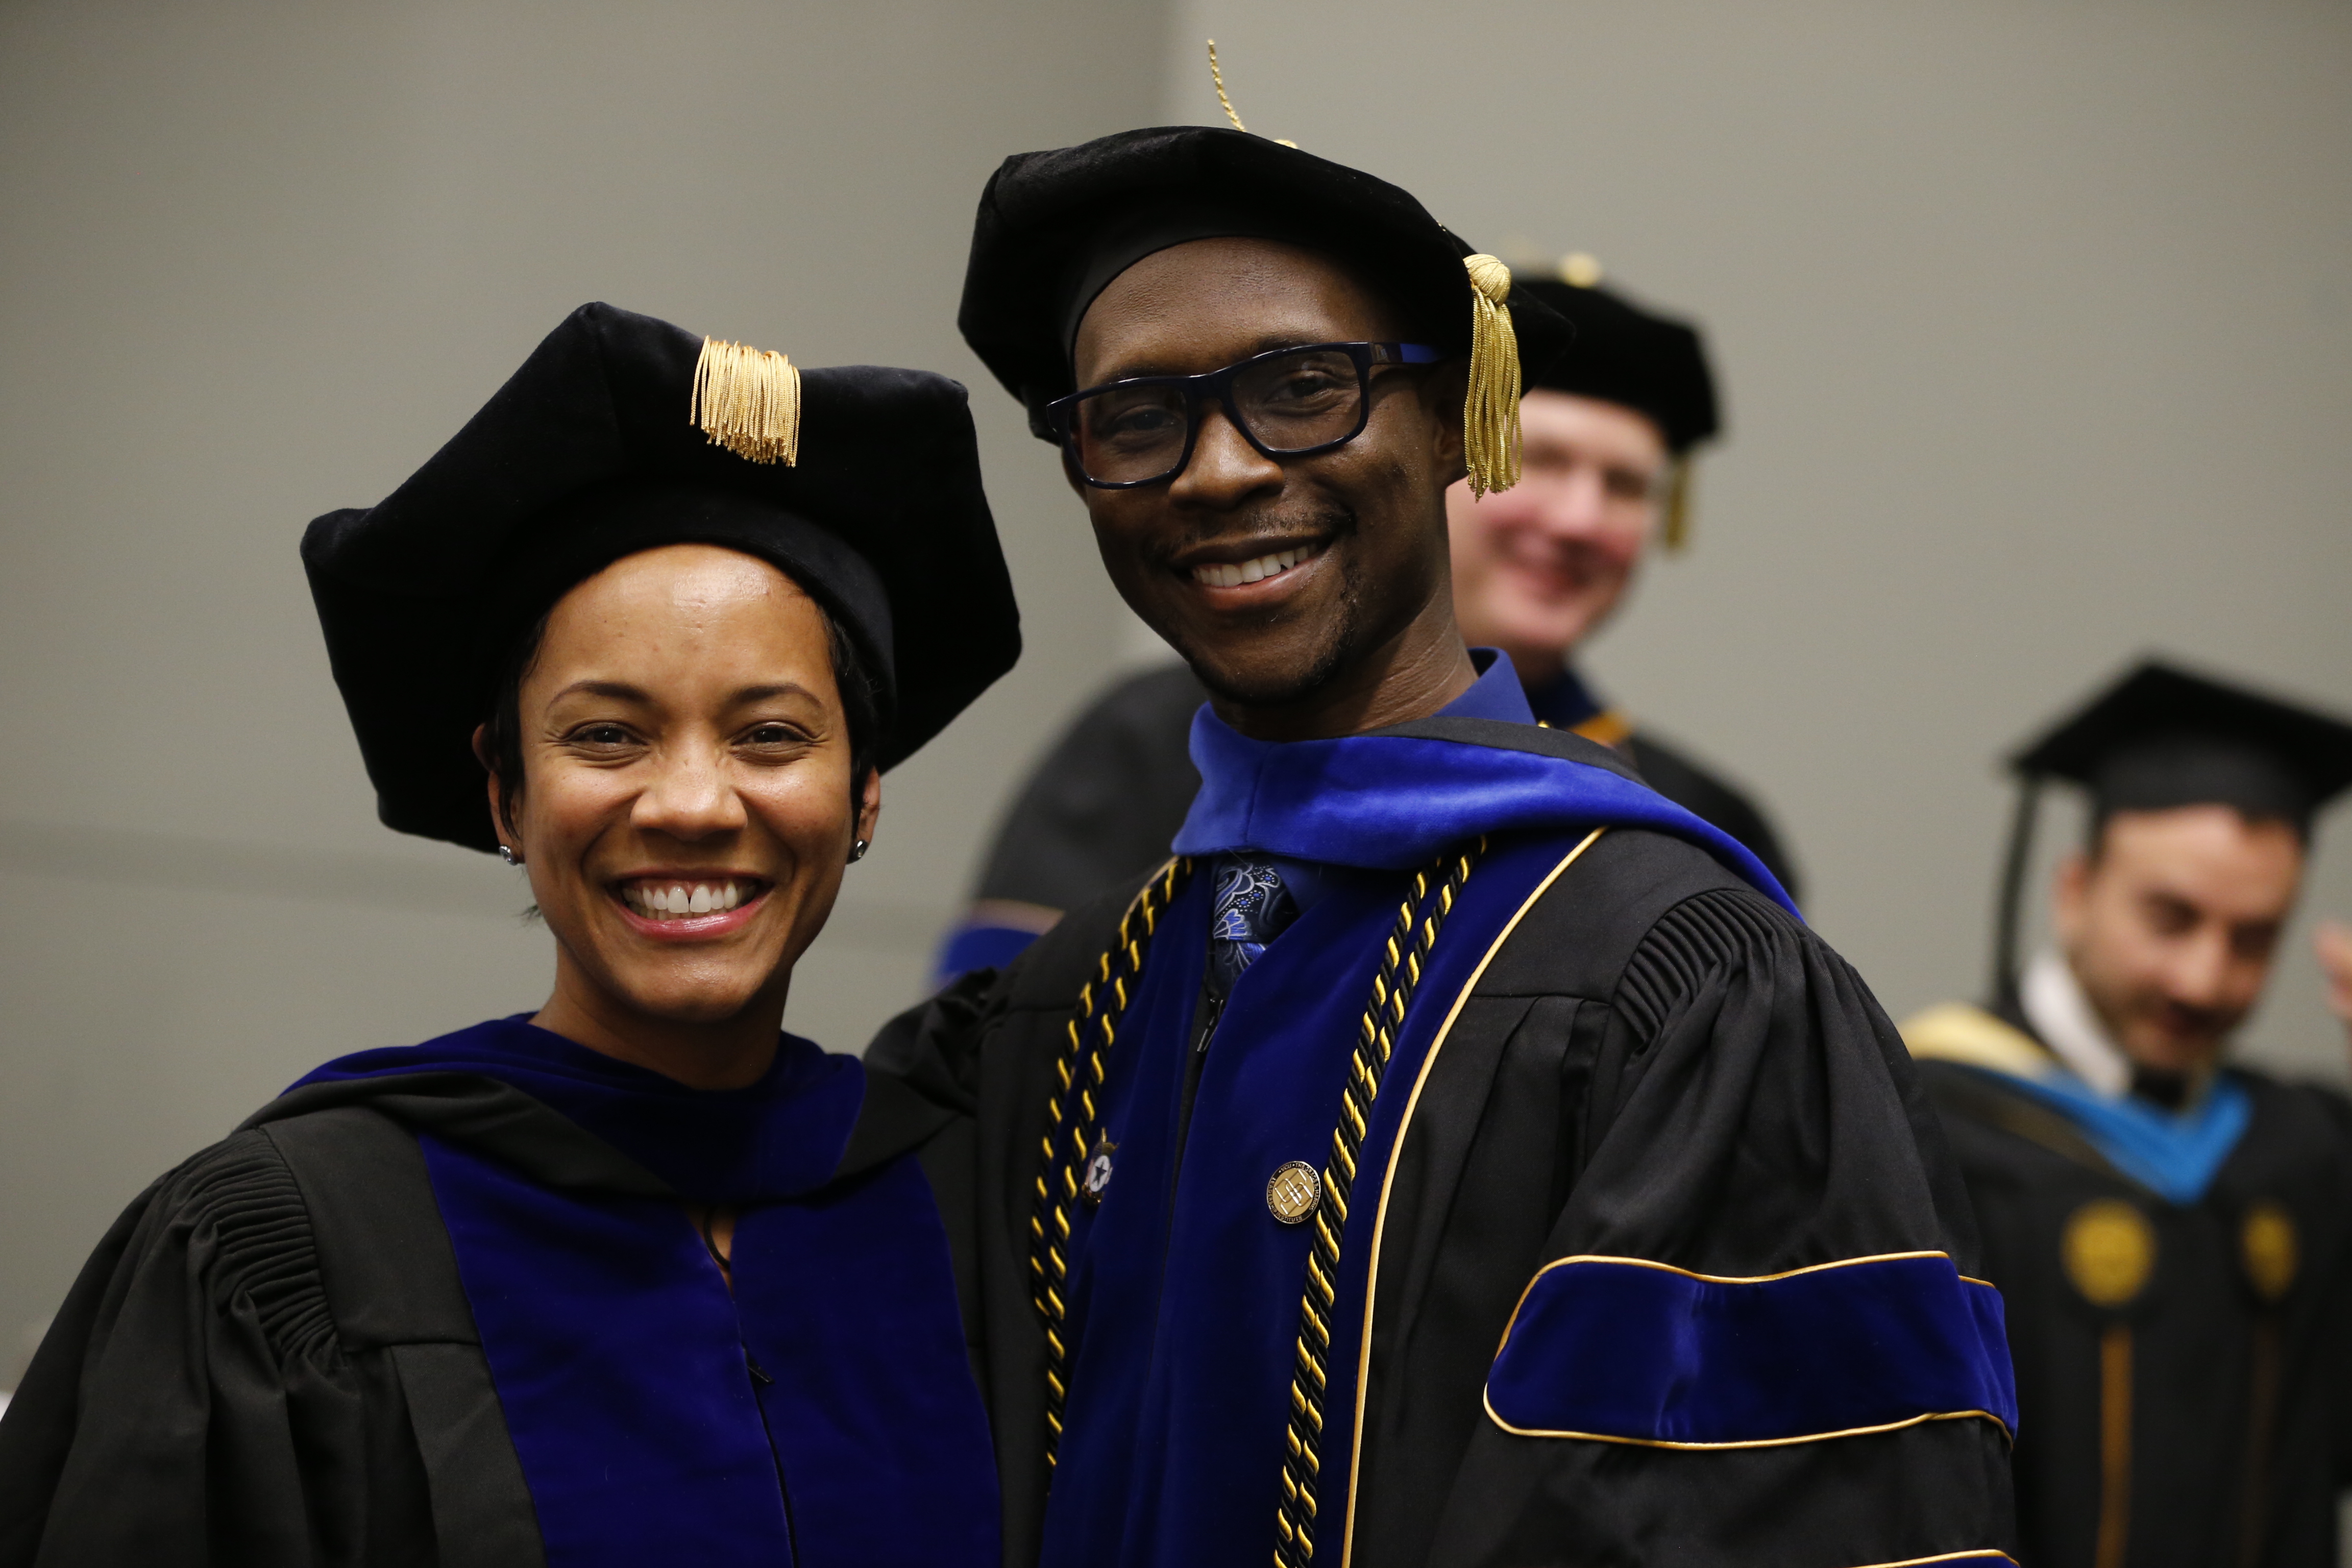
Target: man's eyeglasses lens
(1295,401)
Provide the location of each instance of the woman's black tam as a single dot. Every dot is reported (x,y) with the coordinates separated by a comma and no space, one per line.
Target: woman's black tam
(621,433)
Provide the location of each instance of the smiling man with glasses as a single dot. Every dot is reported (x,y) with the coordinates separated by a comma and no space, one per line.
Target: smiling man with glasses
(1610,432)
(1441,1032)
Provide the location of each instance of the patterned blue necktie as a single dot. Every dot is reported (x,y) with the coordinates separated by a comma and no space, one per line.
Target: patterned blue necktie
(1252,907)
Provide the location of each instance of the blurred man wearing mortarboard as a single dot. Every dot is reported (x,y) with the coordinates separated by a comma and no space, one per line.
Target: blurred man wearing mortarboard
(2169,1231)
(1442,1031)
(1609,429)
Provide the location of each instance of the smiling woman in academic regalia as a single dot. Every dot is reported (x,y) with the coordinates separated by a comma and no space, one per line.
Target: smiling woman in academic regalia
(636,1279)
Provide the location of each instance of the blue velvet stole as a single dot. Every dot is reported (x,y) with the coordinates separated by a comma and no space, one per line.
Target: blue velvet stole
(1630,1352)
(1183,1313)
(824,1413)
(974,944)
(1390,801)
(2174,1155)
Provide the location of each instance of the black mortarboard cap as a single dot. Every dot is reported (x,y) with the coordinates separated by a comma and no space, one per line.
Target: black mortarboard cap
(1623,353)
(2161,738)
(621,433)
(1055,226)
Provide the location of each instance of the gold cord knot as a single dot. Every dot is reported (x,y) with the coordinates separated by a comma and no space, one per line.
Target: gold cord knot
(748,400)
(1218,78)
(1490,413)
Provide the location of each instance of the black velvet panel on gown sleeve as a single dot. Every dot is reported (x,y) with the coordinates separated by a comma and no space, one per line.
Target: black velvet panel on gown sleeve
(1738,1105)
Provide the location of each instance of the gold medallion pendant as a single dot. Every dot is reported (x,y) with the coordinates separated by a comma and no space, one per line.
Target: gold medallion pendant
(2108,1249)
(1293,1192)
(2266,1245)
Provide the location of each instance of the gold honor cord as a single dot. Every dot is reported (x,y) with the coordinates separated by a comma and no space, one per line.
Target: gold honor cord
(1079,1074)
(1402,962)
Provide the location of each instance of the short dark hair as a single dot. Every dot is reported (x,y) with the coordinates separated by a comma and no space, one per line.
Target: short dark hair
(502,730)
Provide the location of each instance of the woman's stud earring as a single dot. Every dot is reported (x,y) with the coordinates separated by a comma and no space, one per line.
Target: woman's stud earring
(509,856)
(857,849)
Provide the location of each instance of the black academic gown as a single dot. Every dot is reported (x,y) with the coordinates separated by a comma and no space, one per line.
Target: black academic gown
(1657,1062)
(1103,804)
(2203,1414)
(271,1359)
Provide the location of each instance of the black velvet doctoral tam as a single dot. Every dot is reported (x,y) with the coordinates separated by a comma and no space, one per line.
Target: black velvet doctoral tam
(1625,354)
(589,453)
(1055,226)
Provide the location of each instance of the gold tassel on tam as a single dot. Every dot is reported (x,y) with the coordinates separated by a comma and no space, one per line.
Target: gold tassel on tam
(748,401)
(1490,415)
(1678,489)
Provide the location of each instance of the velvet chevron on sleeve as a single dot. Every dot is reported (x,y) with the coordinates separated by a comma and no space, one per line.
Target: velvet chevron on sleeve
(1744,1110)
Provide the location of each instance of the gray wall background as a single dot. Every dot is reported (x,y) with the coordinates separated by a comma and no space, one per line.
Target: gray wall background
(2036,321)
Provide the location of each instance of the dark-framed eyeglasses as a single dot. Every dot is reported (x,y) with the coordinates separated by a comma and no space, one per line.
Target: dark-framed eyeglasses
(1289,402)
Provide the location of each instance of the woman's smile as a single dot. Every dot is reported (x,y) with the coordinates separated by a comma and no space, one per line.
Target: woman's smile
(690,908)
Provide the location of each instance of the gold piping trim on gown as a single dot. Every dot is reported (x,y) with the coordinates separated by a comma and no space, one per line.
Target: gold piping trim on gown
(1722,1279)
(1388,1176)
(1747,1442)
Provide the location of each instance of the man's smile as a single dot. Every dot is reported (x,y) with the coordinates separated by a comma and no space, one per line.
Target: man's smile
(1220,568)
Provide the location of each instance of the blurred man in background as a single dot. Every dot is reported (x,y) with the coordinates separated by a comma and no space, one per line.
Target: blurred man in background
(2170,1232)
(1609,433)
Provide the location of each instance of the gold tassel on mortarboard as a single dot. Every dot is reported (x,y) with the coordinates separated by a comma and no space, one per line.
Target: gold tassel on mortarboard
(1490,415)
(748,401)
